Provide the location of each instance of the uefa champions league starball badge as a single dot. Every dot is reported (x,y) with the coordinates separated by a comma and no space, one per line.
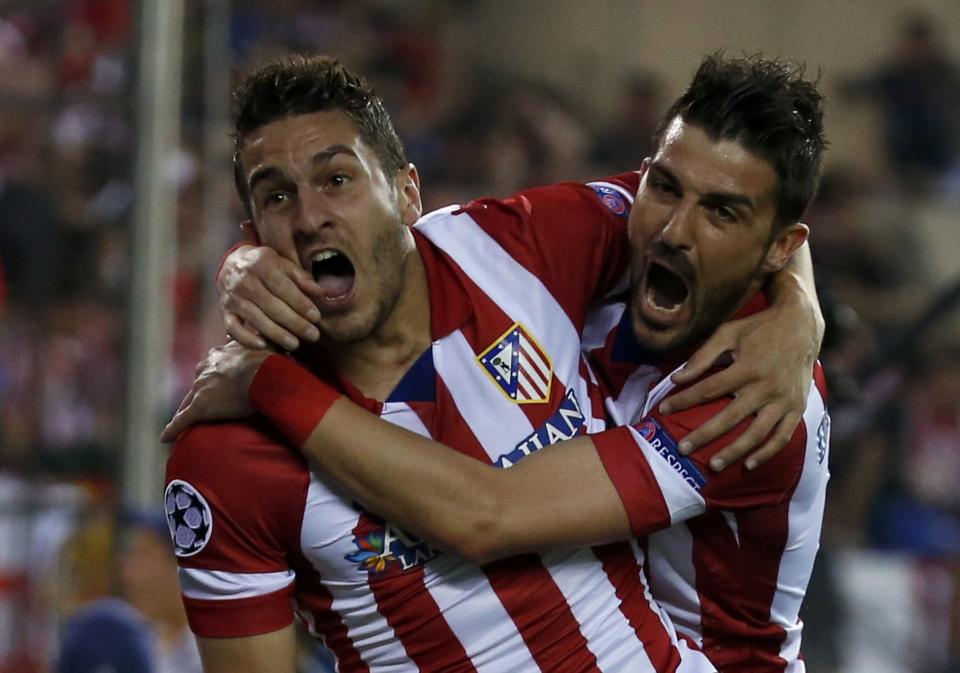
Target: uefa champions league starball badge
(188,516)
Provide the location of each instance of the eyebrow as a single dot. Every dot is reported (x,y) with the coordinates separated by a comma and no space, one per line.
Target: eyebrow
(322,157)
(725,198)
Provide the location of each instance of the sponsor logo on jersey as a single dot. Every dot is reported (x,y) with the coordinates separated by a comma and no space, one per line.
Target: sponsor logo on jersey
(611,198)
(387,549)
(666,446)
(823,438)
(188,516)
(519,366)
(562,425)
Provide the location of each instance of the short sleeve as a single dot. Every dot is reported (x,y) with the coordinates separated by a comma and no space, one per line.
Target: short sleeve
(660,487)
(234,502)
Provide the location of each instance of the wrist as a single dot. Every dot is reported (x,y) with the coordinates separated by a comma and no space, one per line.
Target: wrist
(291,397)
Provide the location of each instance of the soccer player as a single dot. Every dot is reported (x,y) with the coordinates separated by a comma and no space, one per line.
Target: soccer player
(423,320)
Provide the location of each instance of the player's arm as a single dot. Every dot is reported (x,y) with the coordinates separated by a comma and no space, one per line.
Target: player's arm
(773,355)
(587,490)
(274,652)
(232,548)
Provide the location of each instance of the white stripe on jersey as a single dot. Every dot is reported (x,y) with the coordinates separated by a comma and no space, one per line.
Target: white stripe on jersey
(223,585)
(488,265)
(683,502)
(475,614)
(325,517)
(673,578)
(805,519)
(475,398)
(623,192)
(462,592)
(599,324)
(595,606)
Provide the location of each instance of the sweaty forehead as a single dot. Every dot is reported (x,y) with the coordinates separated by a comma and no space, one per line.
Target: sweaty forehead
(707,165)
(292,143)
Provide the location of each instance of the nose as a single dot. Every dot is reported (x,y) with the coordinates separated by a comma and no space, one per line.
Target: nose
(677,230)
(313,212)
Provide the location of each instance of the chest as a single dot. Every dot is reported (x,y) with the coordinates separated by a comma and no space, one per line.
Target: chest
(493,391)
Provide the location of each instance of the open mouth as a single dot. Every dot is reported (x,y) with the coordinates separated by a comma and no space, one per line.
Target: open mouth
(665,289)
(334,273)
(664,296)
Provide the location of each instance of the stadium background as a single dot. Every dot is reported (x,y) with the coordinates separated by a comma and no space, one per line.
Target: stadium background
(489,96)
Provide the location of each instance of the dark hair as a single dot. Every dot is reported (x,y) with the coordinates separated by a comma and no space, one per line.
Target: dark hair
(296,85)
(768,107)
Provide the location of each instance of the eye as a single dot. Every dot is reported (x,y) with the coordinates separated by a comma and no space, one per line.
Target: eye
(338,179)
(664,187)
(274,199)
(726,214)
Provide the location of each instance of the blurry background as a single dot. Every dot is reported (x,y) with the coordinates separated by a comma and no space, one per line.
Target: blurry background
(489,97)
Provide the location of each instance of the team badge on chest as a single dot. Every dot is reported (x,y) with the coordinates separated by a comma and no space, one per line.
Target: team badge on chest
(519,366)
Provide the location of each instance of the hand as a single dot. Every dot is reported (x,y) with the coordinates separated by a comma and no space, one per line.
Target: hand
(220,390)
(265,295)
(773,355)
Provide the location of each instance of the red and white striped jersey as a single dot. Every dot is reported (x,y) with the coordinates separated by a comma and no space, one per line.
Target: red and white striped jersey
(510,283)
(729,554)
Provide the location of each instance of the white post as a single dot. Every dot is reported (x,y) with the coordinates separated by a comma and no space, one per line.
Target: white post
(154,249)
(217,156)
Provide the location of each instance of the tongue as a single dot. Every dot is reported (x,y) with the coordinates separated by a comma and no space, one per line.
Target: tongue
(334,286)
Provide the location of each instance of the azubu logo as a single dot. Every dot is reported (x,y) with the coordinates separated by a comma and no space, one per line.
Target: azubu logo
(387,549)
(562,425)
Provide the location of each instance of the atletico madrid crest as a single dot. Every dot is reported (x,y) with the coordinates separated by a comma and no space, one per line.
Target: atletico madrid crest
(519,366)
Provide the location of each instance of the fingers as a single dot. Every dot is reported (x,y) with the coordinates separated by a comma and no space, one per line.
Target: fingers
(254,317)
(239,333)
(775,444)
(180,421)
(748,440)
(291,285)
(724,382)
(718,345)
(720,424)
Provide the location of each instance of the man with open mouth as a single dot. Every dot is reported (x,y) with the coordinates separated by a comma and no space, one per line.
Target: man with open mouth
(466,330)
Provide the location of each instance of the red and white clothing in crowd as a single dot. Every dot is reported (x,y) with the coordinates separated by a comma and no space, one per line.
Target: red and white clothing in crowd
(729,555)
(510,286)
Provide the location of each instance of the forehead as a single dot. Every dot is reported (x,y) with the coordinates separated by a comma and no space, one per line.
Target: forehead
(707,165)
(295,140)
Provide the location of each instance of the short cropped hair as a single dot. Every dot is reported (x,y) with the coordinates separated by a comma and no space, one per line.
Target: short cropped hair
(296,85)
(768,107)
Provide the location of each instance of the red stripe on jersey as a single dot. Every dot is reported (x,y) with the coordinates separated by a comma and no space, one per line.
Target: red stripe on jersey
(632,476)
(418,623)
(248,616)
(541,614)
(315,598)
(456,432)
(532,363)
(745,587)
(624,572)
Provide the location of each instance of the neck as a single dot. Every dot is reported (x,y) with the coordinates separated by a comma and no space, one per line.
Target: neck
(376,364)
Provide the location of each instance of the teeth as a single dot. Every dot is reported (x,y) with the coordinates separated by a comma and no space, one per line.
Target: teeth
(324,255)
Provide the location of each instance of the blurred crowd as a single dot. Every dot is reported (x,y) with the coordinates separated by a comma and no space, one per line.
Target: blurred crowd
(67,137)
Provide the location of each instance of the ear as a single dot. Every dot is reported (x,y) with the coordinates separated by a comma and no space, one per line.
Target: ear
(784,245)
(408,187)
(644,167)
(250,230)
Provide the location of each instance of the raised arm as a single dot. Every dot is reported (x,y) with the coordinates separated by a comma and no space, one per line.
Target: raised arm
(773,354)
(560,497)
